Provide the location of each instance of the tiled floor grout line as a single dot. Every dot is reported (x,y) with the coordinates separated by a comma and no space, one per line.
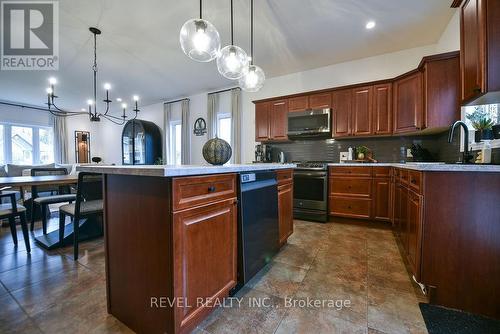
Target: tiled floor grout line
(24,311)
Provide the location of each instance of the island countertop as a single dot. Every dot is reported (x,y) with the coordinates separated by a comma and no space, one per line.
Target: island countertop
(180,170)
(426,166)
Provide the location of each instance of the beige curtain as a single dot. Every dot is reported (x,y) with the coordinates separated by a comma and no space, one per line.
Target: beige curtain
(212,105)
(167,115)
(236,124)
(186,129)
(60,139)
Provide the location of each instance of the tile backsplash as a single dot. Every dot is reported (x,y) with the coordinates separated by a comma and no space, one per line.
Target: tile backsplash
(385,149)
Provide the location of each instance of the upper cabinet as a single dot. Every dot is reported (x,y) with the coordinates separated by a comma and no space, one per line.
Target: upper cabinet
(271,121)
(382,109)
(480,51)
(341,108)
(408,108)
(313,101)
(362,106)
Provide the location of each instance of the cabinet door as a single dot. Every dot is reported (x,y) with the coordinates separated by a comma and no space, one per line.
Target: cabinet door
(414,231)
(279,120)
(299,103)
(403,217)
(200,231)
(341,105)
(472,49)
(262,121)
(382,109)
(397,207)
(408,96)
(285,207)
(362,111)
(381,199)
(320,101)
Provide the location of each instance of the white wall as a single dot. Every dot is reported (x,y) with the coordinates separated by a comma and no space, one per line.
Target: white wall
(357,71)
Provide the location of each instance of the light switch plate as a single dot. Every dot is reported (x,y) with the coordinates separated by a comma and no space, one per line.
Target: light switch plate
(344,156)
(408,153)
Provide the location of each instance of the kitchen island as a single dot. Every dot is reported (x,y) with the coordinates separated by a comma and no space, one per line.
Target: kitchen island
(171,241)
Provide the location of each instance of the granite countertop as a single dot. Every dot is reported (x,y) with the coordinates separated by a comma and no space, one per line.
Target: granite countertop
(428,166)
(182,170)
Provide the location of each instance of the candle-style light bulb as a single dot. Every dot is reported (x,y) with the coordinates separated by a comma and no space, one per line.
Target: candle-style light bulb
(52,80)
(49,91)
(107,86)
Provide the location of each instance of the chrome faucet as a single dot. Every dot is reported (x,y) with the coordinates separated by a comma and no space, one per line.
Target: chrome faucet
(467,155)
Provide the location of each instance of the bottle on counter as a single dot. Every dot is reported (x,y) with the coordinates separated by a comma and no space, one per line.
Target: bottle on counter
(350,154)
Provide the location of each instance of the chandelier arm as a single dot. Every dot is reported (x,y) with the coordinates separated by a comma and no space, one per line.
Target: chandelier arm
(94,68)
(111,116)
(112,120)
(107,108)
(232,32)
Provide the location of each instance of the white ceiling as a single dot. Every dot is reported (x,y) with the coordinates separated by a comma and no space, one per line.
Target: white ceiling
(139,50)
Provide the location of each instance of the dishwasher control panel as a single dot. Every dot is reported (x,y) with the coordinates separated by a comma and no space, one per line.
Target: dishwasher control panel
(248,177)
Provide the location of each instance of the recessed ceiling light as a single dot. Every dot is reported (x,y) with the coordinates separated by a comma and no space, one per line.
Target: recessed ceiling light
(370,25)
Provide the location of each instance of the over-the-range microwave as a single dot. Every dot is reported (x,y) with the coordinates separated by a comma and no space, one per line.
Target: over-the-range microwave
(309,123)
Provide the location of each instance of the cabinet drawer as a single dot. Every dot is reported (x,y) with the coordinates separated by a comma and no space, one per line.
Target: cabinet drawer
(415,180)
(382,171)
(351,171)
(403,176)
(284,176)
(350,187)
(350,207)
(199,190)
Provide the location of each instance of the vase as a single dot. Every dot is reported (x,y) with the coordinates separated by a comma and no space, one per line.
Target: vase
(486,134)
(217,151)
(496,131)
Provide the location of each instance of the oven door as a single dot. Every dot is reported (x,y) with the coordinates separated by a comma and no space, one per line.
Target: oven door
(310,189)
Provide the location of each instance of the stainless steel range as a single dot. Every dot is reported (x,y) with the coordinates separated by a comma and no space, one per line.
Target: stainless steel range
(310,197)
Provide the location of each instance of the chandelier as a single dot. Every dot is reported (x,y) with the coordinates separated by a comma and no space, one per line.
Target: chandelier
(92,112)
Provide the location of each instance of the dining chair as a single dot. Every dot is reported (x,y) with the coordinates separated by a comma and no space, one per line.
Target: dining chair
(88,204)
(12,210)
(63,195)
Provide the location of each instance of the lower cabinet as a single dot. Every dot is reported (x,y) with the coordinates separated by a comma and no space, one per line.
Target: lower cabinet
(414,231)
(285,204)
(205,258)
(382,199)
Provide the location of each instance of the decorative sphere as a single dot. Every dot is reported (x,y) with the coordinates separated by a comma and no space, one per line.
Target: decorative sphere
(253,79)
(232,62)
(199,40)
(217,151)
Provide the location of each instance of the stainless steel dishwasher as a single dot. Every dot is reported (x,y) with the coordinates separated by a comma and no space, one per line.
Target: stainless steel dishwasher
(258,235)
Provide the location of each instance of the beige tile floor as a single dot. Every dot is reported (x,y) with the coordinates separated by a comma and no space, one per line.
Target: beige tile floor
(48,292)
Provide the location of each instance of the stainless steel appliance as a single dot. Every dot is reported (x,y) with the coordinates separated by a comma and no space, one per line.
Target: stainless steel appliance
(309,123)
(310,197)
(263,153)
(258,236)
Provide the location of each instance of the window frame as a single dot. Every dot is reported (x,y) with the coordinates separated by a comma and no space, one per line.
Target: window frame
(173,141)
(35,129)
(221,116)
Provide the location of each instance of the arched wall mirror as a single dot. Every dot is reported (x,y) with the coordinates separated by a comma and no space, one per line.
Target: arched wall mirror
(82,147)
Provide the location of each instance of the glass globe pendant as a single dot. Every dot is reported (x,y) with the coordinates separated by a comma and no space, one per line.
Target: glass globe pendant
(200,41)
(232,62)
(253,79)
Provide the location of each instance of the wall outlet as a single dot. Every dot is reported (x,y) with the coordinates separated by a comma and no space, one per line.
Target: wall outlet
(408,153)
(344,156)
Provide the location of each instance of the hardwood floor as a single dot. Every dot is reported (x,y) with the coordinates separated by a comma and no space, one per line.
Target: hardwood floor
(48,292)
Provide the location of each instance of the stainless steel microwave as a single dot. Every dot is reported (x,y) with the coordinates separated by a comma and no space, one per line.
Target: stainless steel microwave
(309,123)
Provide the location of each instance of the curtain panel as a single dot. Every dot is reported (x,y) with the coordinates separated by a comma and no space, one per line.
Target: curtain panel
(236,124)
(167,115)
(186,138)
(212,106)
(60,139)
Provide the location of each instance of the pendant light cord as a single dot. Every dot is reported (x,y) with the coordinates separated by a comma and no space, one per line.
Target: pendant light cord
(95,74)
(251,32)
(232,33)
(201,17)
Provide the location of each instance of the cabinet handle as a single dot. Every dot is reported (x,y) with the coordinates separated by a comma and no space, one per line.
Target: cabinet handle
(349,207)
(477,89)
(279,104)
(413,181)
(211,189)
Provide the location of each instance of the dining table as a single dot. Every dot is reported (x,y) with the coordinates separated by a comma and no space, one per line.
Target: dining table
(88,229)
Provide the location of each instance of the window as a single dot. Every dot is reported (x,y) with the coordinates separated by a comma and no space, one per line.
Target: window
(474,114)
(2,145)
(26,144)
(224,128)
(175,142)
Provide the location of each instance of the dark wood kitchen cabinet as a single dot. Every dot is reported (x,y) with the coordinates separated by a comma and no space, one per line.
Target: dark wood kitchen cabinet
(414,238)
(285,204)
(271,121)
(299,103)
(362,114)
(320,101)
(480,51)
(262,121)
(382,109)
(408,103)
(382,199)
(341,110)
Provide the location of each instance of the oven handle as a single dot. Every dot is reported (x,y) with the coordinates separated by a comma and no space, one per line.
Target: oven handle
(311,174)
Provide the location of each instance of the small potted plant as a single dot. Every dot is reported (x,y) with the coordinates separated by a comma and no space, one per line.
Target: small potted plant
(483,129)
(361,152)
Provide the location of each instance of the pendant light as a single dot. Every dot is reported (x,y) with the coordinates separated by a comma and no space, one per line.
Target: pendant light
(232,60)
(254,77)
(199,39)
